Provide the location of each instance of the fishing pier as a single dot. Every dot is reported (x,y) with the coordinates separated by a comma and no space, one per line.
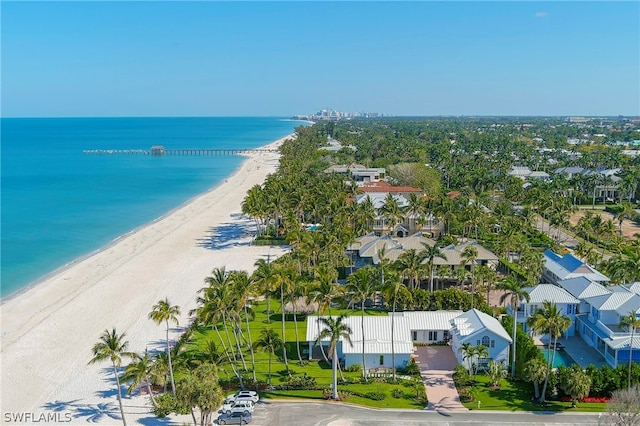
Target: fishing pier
(161,150)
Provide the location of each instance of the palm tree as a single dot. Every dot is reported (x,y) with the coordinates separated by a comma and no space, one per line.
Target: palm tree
(496,371)
(480,351)
(244,287)
(361,286)
(549,320)
(164,312)
(334,329)
(139,373)
(627,212)
(393,289)
(284,280)
(535,371)
(112,347)
(576,384)
(269,341)
(263,277)
(513,290)
(410,264)
(467,350)
(630,321)
(429,253)
(470,254)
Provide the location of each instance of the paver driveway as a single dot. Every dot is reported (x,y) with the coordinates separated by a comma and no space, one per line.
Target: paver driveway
(437,364)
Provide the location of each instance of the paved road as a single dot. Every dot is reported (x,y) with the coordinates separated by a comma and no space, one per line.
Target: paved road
(272,413)
(557,235)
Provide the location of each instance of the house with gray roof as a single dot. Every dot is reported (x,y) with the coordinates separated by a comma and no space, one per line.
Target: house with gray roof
(477,328)
(600,325)
(582,288)
(566,303)
(429,326)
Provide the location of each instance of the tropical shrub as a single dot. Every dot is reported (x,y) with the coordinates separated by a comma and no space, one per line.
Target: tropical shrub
(411,369)
(353,368)
(397,393)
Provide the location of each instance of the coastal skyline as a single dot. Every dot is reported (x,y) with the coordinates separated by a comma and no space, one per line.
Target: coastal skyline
(280,59)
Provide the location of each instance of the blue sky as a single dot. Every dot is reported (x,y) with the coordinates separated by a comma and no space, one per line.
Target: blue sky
(285,58)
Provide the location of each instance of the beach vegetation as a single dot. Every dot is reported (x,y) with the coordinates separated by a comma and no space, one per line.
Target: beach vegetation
(164,312)
(112,347)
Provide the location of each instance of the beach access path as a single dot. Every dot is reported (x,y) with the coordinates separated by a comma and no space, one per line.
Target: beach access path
(48,331)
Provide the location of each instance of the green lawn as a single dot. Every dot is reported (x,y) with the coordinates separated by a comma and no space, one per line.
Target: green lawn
(320,370)
(516,396)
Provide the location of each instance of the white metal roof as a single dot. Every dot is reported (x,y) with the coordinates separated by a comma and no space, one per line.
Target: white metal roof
(550,292)
(609,302)
(429,320)
(474,321)
(378,347)
(624,342)
(377,333)
(582,287)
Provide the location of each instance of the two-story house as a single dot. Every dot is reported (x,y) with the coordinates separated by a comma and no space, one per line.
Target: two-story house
(566,303)
(600,325)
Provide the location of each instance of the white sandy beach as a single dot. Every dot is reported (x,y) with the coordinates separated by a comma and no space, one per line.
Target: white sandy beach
(48,331)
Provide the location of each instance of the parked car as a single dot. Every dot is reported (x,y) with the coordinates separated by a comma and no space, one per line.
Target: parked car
(238,405)
(244,395)
(237,418)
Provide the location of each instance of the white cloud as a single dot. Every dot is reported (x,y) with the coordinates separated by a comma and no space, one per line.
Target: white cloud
(542,14)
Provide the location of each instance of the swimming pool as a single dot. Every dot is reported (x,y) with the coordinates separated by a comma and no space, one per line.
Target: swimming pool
(562,358)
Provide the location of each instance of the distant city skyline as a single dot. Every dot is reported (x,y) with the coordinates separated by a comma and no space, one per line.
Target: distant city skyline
(74,59)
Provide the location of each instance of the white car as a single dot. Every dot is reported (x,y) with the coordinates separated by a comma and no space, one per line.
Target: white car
(245,407)
(244,396)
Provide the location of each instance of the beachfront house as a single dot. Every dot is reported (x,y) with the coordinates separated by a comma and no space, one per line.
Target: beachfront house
(566,303)
(377,342)
(477,328)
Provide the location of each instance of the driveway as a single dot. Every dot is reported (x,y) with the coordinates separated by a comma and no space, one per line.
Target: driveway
(437,364)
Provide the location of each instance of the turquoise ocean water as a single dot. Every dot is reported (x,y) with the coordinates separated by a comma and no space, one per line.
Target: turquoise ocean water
(58,204)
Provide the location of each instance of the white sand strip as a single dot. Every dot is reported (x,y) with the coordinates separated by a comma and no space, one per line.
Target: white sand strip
(48,331)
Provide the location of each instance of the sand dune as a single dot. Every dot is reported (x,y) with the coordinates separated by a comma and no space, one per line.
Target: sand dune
(48,330)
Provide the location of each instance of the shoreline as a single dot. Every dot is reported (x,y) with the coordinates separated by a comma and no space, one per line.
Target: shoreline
(49,328)
(116,240)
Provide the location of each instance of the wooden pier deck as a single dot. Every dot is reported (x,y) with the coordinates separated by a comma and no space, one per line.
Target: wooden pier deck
(159,150)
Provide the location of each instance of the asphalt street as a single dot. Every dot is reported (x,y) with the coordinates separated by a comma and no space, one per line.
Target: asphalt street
(271,413)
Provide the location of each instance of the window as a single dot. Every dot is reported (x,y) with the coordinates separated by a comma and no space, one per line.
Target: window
(493,343)
(569,309)
(433,335)
(485,341)
(477,342)
(414,335)
(445,335)
(381,359)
